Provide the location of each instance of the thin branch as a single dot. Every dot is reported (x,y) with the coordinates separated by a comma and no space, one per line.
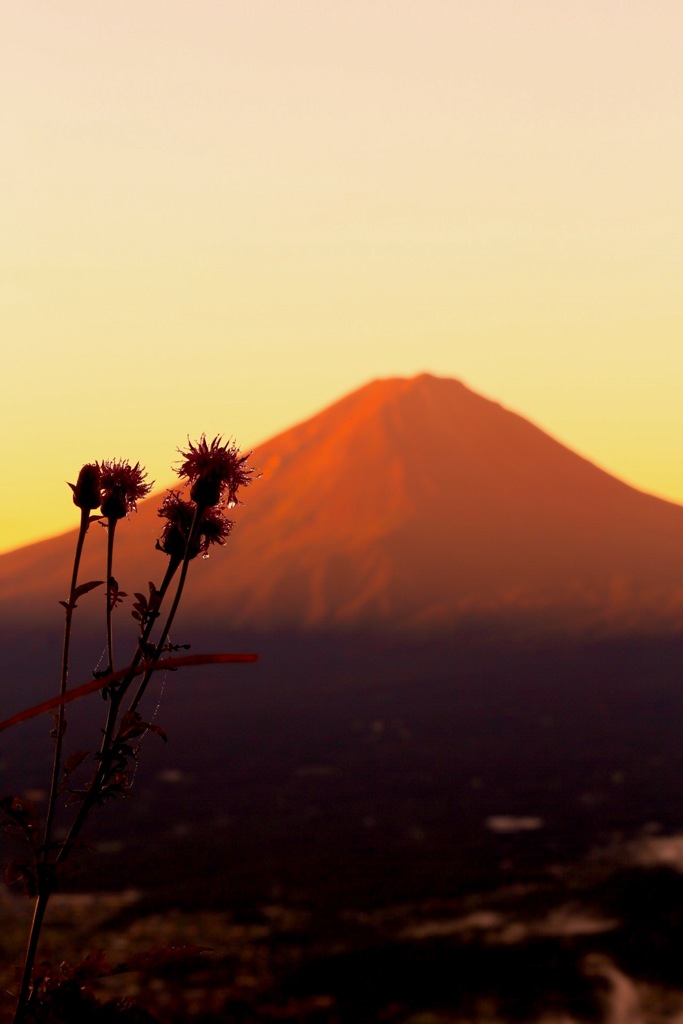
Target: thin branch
(143,667)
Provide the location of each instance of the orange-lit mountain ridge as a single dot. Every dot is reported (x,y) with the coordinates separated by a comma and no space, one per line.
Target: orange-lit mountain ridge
(409,505)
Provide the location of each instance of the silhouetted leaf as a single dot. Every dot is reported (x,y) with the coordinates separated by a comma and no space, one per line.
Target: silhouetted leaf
(79,592)
(74,760)
(22,812)
(18,873)
(158,731)
(116,596)
(75,796)
(131,726)
(85,588)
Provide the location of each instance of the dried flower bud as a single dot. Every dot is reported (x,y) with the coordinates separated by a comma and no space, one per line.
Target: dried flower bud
(114,505)
(87,488)
(179,514)
(207,489)
(214,528)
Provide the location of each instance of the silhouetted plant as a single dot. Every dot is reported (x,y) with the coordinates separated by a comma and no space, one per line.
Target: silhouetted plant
(106,492)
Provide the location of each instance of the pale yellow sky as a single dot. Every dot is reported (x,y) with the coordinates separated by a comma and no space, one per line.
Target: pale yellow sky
(221,216)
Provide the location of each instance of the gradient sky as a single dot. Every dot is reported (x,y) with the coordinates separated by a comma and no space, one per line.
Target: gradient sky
(221,215)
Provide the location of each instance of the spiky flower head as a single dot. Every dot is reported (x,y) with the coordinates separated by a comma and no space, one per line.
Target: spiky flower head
(214,527)
(122,486)
(215,471)
(87,488)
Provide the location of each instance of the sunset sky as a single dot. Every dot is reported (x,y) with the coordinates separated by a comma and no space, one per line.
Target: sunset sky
(222,215)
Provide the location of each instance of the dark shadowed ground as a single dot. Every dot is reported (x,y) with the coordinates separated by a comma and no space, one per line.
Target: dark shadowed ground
(366,832)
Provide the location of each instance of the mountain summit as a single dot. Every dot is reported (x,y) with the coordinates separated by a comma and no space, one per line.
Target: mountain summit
(411,505)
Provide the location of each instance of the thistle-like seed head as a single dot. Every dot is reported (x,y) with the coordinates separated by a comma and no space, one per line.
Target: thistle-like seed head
(215,471)
(122,485)
(214,527)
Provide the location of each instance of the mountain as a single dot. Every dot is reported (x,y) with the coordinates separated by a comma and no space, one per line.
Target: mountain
(409,506)
(392,547)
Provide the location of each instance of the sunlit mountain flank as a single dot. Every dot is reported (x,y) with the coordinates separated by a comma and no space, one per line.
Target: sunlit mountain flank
(410,504)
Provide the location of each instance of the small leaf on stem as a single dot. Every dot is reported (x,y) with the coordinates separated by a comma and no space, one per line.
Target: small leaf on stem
(74,760)
(84,588)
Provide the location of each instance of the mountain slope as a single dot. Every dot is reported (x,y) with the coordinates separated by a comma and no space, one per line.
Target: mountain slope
(410,504)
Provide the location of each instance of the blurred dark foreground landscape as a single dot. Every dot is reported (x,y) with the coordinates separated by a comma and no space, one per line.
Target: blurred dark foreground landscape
(364,830)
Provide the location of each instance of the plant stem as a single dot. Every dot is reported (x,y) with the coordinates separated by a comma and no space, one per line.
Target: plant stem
(61,720)
(106,746)
(194,529)
(111,529)
(99,775)
(44,881)
(31,949)
(45,870)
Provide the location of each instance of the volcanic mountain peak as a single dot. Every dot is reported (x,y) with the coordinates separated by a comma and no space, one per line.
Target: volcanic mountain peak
(412,504)
(425,447)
